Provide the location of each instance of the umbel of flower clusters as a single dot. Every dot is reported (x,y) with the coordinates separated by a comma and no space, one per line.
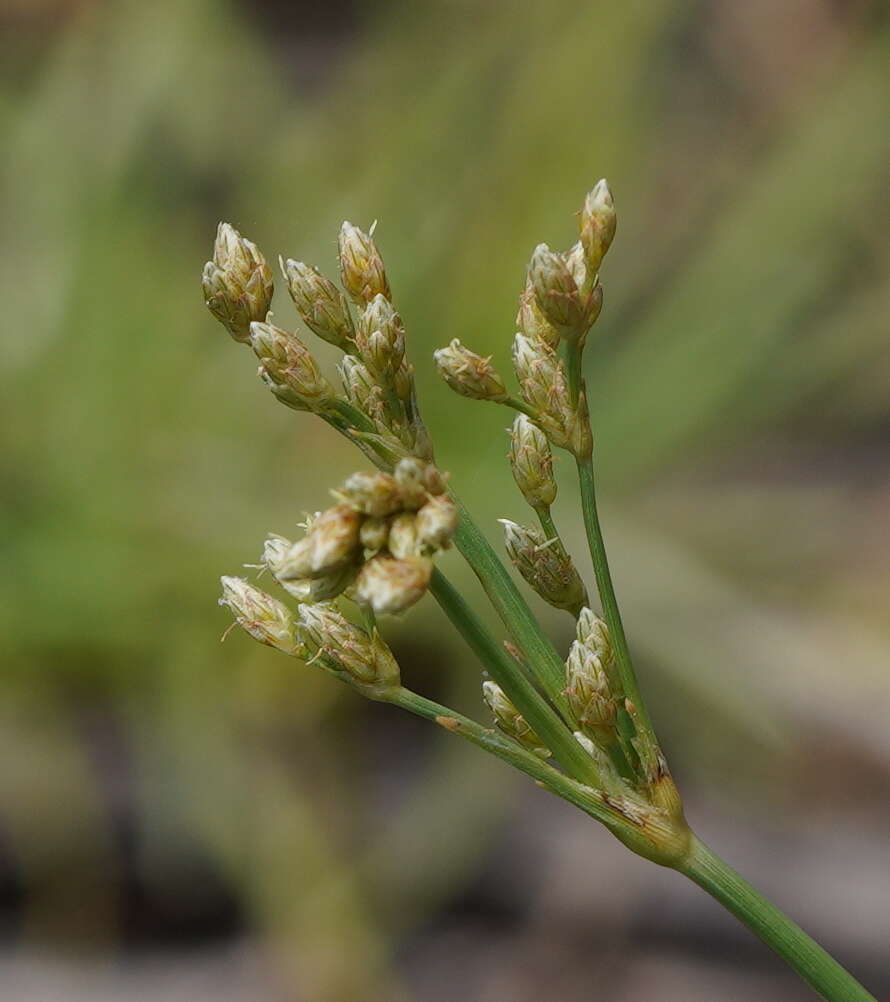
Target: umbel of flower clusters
(376,543)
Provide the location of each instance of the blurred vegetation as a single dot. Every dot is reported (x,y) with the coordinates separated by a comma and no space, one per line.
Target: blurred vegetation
(740,394)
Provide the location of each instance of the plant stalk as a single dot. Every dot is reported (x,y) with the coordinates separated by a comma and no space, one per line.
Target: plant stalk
(543,719)
(821,971)
(513,611)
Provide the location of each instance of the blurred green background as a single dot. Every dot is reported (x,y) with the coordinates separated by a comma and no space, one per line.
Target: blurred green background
(182,819)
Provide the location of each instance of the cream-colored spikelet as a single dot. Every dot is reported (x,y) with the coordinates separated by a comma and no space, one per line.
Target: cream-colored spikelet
(557,292)
(327,635)
(380,339)
(590,695)
(510,720)
(531,321)
(289,369)
(598,223)
(321,305)
(469,374)
(263,617)
(545,566)
(436,523)
(532,462)
(361,266)
(544,387)
(237,283)
(375,494)
(389,585)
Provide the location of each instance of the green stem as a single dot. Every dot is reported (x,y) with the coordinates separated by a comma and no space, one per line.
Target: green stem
(492,741)
(821,971)
(542,718)
(600,561)
(513,611)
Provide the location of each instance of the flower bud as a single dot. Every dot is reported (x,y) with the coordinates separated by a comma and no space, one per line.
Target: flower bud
(545,566)
(380,339)
(532,462)
(531,321)
(598,223)
(510,720)
(263,617)
(469,374)
(589,694)
(375,494)
(557,292)
(288,368)
(237,283)
(321,305)
(437,523)
(389,586)
(402,541)
(340,645)
(361,266)
(544,387)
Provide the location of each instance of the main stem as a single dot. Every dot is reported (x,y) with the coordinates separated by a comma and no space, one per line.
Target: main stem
(821,971)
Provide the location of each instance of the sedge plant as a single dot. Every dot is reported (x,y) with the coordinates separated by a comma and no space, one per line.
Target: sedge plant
(575,722)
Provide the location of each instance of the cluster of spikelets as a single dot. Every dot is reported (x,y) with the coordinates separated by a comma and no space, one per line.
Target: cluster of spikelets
(375,545)
(377,380)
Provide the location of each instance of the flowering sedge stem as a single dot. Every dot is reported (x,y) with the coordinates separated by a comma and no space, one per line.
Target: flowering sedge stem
(821,971)
(509,676)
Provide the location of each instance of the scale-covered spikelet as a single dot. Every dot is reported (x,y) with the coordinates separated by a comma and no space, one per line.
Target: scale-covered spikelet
(289,369)
(510,720)
(532,462)
(361,266)
(340,646)
(237,283)
(470,374)
(263,617)
(321,305)
(545,566)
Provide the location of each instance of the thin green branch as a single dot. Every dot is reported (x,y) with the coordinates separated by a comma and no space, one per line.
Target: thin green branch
(584,797)
(511,607)
(598,556)
(539,714)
